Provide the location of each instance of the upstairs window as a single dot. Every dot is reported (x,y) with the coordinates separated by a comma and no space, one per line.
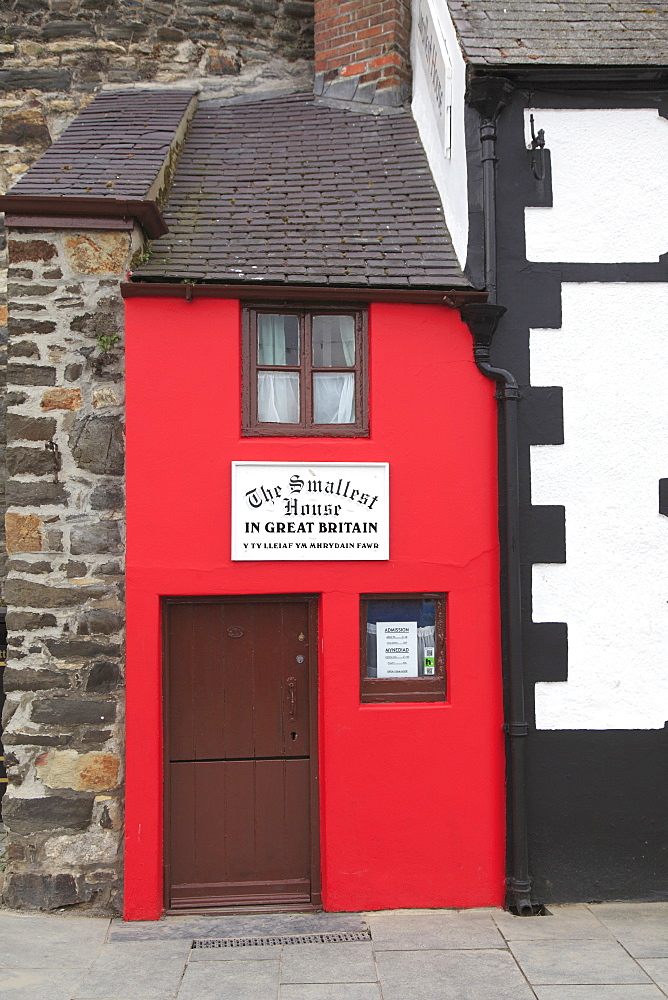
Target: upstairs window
(305,372)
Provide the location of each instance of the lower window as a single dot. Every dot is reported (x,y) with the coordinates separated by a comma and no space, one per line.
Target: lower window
(402,647)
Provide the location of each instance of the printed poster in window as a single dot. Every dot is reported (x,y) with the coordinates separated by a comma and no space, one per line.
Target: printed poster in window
(396,649)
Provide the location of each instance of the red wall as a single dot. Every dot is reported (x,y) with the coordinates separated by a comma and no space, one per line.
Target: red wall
(412,796)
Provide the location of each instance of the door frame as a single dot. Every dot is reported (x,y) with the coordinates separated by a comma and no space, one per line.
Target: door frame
(312,602)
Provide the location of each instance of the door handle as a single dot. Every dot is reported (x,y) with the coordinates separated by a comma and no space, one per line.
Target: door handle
(292,697)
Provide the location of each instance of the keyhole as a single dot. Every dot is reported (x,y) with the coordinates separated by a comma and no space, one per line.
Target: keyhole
(294,736)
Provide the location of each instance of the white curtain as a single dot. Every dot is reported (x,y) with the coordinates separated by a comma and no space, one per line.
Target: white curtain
(334,398)
(426,637)
(278,397)
(329,334)
(271,340)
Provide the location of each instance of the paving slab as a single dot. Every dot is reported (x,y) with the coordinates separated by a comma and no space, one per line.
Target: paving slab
(581,963)
(574,922)
(451,975)
(598,993)
(256,953)
(236,925)
(657,969)
(332,991)
(135,970)
(231,981)
(39,984)
(642,928)
(433,931)
(328,963)
(50,942)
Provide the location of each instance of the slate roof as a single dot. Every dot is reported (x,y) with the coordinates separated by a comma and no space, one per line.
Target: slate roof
(114,149)
(562,32)
(290,190)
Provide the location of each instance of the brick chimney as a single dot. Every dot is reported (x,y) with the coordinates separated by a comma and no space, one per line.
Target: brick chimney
(362,50)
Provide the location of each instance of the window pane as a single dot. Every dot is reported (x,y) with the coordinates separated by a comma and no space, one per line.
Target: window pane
(333,342)
(334,398)
(277,340)
(401,637)
(278,397)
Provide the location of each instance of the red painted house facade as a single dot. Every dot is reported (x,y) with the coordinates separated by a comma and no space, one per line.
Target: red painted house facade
(409,796)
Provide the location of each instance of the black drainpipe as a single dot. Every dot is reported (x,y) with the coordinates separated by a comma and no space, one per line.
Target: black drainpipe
(488,96)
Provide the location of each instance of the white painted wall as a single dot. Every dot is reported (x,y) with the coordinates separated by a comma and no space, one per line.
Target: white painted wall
(449,171)
(610,357)
(609,186)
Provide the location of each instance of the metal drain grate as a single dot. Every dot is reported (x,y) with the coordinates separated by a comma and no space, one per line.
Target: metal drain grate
(249,942)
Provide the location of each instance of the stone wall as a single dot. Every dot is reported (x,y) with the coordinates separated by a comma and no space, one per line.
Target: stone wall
(55,54)
(65,538)
(63,717)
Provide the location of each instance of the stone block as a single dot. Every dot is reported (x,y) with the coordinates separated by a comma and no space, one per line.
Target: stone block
(83,772)
(44,78)
(50,812)
(79,649)
(105,397)
(108,496)
(15,398)
(105,536)
(30,327)
(67,29)
(99,622)
(97,444)
(25,594)
(98,253)
(61,399)
(34,250)
(18,374)
(33,461)
(76,569)
(24,566)
(24,349)
(23,533)
(103,677)
(73,372)
(27,679)
(73,711)
(20,738)
(106,319)
(20,428)
(15,291)
(37,891)
(18,620)
(219,62)
(34,494)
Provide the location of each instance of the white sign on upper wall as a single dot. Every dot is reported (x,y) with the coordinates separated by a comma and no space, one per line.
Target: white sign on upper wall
(300,510)
(437,70)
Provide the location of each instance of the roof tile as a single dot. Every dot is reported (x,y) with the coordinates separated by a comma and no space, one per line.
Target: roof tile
(563,32)
(290,186)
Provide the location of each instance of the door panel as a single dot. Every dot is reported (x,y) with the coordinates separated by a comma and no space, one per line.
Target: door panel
(239,771)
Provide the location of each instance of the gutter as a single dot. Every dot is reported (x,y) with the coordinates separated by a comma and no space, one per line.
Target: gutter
(191,290)
(42,211)
(488,96)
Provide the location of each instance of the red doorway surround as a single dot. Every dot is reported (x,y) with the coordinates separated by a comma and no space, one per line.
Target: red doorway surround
(412,795)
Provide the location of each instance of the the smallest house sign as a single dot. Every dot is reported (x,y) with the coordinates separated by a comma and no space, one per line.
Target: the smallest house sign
(326,510)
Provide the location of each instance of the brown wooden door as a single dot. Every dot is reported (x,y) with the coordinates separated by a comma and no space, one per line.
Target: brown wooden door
(239,727)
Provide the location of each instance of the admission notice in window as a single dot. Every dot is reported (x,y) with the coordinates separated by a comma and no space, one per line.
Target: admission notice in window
(396,649)
(284,510)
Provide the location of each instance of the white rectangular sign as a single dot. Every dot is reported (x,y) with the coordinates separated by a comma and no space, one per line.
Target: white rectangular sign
(301,510)
(396,649)
(437,70)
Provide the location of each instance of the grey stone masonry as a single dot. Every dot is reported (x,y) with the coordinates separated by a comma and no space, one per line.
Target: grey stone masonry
(63,732)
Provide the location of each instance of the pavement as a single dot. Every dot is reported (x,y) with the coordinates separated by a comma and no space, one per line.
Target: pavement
(605,951)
